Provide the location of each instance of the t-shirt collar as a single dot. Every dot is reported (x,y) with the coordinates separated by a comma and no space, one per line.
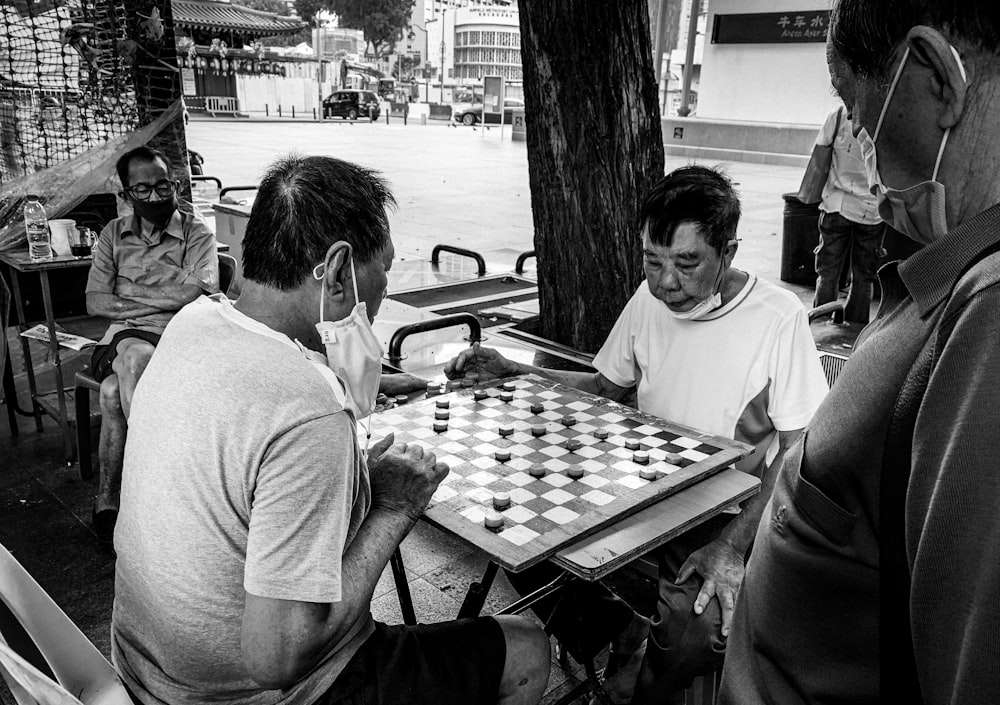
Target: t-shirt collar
(931,273)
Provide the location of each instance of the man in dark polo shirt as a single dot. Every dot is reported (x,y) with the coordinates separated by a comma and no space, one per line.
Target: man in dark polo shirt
(146,267)
(875,575)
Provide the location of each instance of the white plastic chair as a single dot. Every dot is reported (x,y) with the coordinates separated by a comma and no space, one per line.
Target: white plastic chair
(82,674)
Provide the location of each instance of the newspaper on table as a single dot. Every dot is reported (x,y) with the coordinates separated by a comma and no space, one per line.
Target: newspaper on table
(67,340)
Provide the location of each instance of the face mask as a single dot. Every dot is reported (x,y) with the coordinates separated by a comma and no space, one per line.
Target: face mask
(156,212)
(353,351)
(705,306)
(919,211)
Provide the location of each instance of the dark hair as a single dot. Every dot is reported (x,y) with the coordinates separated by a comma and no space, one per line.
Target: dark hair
(693,194)
(304,205)
(140,154)
(865,33)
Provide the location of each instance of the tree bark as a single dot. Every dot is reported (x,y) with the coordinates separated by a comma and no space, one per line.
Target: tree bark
(594,149)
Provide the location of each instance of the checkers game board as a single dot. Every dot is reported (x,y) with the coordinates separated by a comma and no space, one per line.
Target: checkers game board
(516,446)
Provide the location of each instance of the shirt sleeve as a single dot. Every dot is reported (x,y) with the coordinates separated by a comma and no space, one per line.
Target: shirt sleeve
(201,258)
(798,384)
(828,133)
(953,514)
(103,271)
(301,512)
(616,358)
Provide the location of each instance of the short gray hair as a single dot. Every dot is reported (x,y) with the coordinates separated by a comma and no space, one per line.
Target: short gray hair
(865,33)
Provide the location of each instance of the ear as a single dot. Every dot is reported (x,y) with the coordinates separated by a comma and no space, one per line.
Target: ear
(729,251)
(337,274)
(931,49)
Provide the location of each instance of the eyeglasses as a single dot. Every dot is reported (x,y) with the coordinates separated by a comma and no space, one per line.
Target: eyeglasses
(142,192)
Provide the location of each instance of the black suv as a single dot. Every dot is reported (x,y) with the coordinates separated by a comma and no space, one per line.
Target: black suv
(351,104)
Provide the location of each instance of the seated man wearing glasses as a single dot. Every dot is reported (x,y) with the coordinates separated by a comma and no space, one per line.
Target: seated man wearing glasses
(146,267)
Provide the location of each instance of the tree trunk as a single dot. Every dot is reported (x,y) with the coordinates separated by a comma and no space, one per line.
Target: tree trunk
(594,148)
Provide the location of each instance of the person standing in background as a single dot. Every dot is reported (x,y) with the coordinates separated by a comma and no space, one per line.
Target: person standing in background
(849,223)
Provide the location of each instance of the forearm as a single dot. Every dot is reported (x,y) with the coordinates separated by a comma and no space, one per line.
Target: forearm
(119,308)
(165,297)
(590,382)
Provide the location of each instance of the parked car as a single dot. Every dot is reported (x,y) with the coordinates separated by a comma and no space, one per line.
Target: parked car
(474,114)
(351,104)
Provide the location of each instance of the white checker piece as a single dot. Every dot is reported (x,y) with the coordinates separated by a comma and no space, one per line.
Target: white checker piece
(560,515)
(518,534)
(594,481)
(519,514)
(557,496)
(685,442)
(597,497)
(481,478)
(631,481)
(520,479)
(693,455)
(556,480)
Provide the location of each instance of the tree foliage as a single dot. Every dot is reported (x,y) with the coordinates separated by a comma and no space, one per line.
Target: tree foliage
(308,9)
(382,21)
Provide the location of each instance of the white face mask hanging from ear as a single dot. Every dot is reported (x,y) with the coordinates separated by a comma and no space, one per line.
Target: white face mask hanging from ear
(707,305)
(919,211)
(353,351)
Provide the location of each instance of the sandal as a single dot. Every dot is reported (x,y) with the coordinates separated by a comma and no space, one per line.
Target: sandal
(618,660)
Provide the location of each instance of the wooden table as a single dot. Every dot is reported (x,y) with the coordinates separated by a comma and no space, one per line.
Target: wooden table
(54,403)
(19,264)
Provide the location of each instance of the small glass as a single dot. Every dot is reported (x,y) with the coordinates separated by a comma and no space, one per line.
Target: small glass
(80,241)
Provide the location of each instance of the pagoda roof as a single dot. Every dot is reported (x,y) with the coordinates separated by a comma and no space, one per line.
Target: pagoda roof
(221,14)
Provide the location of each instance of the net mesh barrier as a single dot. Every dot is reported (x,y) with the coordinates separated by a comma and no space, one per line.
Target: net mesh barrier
(77,76)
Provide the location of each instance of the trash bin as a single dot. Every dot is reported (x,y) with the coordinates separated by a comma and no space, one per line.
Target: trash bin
(798,240)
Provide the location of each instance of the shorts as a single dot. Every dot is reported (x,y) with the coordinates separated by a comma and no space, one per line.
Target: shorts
(450,663)
(104,355)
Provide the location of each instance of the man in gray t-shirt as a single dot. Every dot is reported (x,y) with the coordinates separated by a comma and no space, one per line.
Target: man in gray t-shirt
(253,528)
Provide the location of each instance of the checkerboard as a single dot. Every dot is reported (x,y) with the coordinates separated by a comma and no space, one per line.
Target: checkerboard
(547,513)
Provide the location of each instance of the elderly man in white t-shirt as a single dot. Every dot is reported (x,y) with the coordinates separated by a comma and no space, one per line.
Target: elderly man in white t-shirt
(708,346)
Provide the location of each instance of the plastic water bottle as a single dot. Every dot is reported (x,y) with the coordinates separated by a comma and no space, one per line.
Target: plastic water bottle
(36,226)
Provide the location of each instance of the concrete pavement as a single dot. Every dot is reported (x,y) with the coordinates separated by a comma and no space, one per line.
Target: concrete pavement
(463,186)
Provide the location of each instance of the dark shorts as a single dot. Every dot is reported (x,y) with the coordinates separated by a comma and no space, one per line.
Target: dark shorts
(104,355)
(450,663)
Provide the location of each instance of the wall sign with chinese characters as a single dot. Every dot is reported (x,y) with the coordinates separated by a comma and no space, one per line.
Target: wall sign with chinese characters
(771,27)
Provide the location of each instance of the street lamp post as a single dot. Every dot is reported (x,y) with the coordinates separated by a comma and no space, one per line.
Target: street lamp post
(441,100)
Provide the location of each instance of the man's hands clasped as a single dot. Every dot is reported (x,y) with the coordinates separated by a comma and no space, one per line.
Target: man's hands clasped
(481,364)
(403,476)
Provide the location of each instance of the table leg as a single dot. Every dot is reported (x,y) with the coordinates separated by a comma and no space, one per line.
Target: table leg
(60,385)
(475,598)
(15,282)
(9,393)
(402,588)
